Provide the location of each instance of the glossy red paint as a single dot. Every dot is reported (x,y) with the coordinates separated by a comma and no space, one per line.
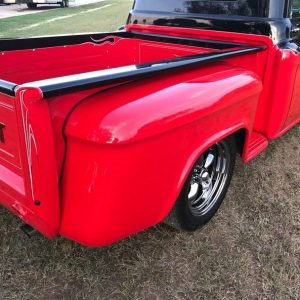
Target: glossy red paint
(135,143)
(279,106)
(106,162)
(86,57)
(28,164)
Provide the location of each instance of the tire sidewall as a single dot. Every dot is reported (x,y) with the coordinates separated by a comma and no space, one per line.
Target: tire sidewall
(63,4)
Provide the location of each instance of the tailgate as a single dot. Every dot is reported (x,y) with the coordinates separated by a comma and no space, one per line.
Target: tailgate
(28,172)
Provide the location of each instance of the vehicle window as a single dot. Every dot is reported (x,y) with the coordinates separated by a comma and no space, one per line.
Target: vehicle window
(35,18)
(254,8)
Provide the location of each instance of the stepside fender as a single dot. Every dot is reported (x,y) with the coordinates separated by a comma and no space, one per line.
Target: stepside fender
(130,149)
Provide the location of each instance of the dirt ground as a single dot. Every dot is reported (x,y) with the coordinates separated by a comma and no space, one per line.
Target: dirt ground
(251,249)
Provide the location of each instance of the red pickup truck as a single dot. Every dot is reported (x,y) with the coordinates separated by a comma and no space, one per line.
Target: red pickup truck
(104,135)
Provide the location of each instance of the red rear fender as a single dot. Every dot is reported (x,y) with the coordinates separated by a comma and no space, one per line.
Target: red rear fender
(130,149)
(144,109)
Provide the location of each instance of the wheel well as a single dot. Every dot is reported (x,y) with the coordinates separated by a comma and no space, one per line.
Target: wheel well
(240,138)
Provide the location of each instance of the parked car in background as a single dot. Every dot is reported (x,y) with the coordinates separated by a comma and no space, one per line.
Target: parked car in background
(104,135)
(7,2)
(35,3)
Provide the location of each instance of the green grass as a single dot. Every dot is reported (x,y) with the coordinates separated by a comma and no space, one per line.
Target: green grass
(250,250)
(82,19)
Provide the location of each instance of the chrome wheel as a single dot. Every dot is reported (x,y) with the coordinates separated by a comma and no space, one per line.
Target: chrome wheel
(208,179)
(206,187)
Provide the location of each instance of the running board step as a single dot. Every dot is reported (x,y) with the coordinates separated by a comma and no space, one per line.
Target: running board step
(257,143)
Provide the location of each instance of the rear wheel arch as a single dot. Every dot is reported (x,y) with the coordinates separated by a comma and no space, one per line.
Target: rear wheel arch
(240,136)
(237,138)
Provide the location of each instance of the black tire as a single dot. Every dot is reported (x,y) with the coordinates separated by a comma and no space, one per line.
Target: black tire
(31,5)
(190,212)
(64,3)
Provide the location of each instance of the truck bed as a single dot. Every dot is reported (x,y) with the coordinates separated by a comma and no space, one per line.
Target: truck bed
(101,57)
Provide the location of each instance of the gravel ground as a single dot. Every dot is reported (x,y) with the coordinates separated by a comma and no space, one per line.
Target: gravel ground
(251,249)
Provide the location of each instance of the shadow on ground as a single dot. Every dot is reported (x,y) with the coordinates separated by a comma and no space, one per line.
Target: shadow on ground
(38,9)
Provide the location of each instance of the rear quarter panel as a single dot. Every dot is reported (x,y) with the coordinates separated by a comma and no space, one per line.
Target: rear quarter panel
(130,149)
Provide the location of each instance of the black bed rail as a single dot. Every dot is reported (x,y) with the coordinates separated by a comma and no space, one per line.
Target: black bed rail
(133,72)
(64,84)
(99,38)
(7,87)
